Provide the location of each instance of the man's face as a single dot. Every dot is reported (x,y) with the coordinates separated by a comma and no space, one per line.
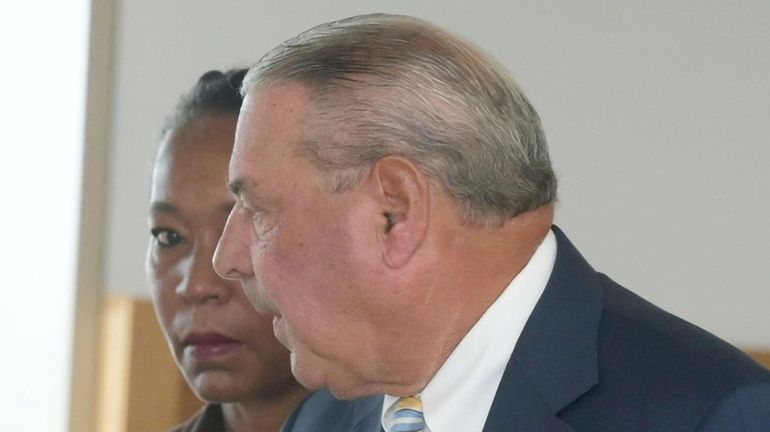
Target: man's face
(302,253)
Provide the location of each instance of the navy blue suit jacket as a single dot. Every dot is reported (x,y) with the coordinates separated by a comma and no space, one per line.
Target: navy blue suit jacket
(595,357)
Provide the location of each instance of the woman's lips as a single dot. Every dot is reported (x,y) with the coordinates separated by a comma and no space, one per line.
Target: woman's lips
(209,346)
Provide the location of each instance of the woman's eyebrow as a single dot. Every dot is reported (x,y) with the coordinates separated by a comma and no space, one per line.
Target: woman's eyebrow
(162,207)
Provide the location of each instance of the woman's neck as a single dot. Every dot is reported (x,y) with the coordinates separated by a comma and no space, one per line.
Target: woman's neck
(262,414)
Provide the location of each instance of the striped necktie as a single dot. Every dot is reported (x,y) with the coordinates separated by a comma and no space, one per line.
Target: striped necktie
(407,416)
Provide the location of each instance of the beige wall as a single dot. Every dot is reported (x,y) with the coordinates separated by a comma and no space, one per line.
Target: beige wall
(656,112)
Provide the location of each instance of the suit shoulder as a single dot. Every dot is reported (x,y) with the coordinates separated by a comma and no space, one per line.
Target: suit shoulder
(658,372)
(746,409)
(635,328)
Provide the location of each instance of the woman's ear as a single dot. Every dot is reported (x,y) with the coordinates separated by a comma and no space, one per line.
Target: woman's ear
(403,194)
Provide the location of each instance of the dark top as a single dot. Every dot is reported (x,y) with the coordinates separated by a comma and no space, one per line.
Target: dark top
(207,419)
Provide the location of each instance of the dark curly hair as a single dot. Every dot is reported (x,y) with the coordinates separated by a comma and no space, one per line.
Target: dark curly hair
(215,93)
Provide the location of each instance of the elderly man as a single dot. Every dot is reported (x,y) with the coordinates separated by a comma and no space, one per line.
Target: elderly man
(394,212)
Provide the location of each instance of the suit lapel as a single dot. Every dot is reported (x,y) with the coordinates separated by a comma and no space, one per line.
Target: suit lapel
(518,407)
(366,414)
(555,359)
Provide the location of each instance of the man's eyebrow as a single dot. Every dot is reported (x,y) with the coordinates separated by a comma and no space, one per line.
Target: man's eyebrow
(245,190)
(162,207)
(236,187)
(241,187)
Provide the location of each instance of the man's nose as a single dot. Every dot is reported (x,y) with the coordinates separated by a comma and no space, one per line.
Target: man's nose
(231,258)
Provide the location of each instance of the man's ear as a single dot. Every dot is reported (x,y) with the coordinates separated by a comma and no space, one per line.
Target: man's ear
(403,196)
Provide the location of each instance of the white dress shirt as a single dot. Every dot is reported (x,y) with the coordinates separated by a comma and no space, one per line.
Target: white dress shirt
(459,396)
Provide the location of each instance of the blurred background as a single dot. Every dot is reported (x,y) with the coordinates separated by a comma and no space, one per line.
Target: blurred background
(657,114)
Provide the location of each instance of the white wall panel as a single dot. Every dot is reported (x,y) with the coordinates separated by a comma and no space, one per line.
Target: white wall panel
(657,113)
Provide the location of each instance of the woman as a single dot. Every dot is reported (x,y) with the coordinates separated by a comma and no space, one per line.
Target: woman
(225,350)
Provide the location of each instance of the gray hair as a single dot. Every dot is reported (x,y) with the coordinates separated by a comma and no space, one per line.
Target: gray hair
(384,85)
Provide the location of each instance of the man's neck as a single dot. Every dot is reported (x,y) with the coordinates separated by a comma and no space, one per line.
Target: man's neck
(475,265)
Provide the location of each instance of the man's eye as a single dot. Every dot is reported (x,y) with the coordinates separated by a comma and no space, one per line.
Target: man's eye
(261,219)
(166,237)
(264,224)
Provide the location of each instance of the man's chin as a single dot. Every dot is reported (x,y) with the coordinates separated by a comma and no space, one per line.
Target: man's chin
(314,380)
(309,376)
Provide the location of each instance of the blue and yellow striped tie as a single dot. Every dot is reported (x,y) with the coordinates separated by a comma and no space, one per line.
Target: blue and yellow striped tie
(407,416)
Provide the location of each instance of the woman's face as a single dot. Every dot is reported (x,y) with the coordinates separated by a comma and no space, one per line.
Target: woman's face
(225,349)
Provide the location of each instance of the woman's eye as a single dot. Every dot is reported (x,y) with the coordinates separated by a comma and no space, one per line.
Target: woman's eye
(166,237)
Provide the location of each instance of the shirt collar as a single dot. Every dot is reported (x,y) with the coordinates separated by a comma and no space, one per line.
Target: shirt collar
(452,404)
